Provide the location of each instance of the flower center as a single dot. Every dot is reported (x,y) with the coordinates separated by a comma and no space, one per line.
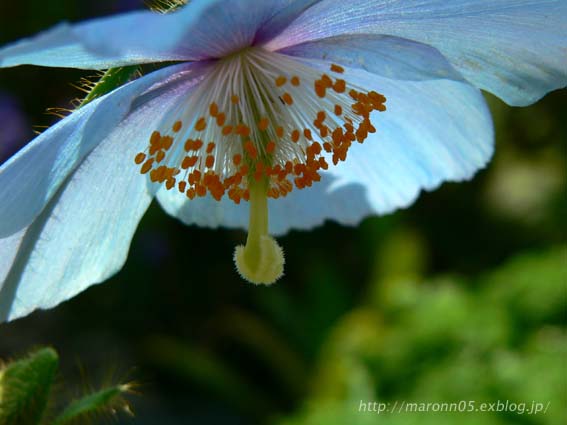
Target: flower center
(260,124)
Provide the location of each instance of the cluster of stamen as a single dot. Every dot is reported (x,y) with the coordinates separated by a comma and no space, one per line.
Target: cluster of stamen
(279,148)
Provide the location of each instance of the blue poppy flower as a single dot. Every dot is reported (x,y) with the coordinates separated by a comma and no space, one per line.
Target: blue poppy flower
(266,99)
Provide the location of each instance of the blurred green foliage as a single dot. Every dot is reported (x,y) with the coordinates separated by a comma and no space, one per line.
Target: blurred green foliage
(27,396)
(497,337)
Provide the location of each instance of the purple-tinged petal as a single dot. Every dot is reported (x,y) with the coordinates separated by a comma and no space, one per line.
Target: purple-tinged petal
(32,177)
(516,49)
(286,12)
(83,233)
(200,30)
(390,57)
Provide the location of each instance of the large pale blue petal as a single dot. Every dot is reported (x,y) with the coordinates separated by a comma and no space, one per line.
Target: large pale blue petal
(202,29)
(433,131)
(516,49)
(83,234)
(390,57)
(31,177)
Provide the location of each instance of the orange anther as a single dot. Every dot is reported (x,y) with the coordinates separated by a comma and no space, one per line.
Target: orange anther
(295,136)
(141,157)
(270,147)
(213,109)
(295,81)
(188,145)
(197,144)
(377,96)
(307,134)
(160,156)
(326,81)
(338,110)
(237,159)
(242,130)
(226,130)
(182,186)
(337,135)
(320,89)
(155,175)
(201,124)
(177,126)
(250,149)
(217,194)
(166,142)
(194,177)
(286,97)
(337,68)
(234,99)
(155,138)
(361,135)
(189,161)
(339,86)
(190,193)
(280,132)
(210,147)
(147,166)
(201,190)
(316,147)
(263,124)
(221,119)
(210,161)
(280,81)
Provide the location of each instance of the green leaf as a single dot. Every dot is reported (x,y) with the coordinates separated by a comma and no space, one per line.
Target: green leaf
(25,386)
(110,80)
(106,400)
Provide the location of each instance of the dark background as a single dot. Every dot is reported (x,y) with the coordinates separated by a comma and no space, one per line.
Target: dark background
(460,297)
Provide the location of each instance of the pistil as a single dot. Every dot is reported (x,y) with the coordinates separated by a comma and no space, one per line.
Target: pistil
(261,260)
